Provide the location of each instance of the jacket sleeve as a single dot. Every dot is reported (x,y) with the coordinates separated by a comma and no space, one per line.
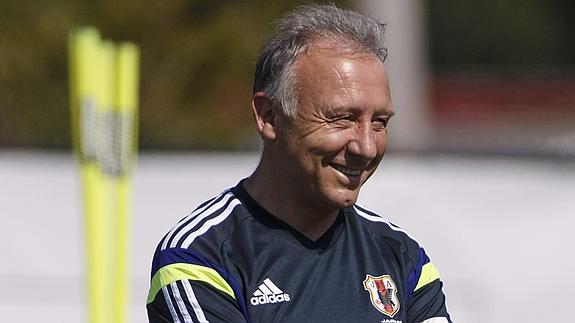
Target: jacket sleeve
(192,289)
(192,301)
(426,299)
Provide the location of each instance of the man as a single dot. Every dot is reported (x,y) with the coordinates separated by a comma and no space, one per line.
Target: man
(288,244)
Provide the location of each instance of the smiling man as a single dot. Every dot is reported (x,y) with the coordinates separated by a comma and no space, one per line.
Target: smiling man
(289,243)
(317,156)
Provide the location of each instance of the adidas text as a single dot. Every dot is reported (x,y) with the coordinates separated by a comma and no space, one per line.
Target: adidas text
(269,299)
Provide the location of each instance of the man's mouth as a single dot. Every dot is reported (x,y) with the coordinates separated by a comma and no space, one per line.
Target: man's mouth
(347,171)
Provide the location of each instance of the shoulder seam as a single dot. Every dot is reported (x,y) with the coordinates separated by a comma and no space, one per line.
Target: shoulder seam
(190,223)
(181,223)
(230,205)
(374,217)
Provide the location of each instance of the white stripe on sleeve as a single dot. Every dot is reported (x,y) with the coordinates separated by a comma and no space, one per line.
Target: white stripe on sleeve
(193,214)
(210,223)
(180,302)
(194,301)
(378,218)
(168,300)
(198,219)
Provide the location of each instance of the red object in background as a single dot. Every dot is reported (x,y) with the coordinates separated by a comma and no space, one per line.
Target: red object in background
(506,100)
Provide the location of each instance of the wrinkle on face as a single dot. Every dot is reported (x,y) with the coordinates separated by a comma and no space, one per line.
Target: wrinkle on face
(343,76)
(326,93)
(341,97)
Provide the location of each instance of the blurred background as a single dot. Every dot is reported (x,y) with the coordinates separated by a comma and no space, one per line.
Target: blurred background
(481,164)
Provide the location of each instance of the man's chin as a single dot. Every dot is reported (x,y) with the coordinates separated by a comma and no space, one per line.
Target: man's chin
(342,199)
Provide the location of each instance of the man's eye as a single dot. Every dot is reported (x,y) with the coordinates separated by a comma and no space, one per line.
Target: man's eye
(380,123)
(343,119)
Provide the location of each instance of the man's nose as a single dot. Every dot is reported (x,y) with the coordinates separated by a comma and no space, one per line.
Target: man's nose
(363,145)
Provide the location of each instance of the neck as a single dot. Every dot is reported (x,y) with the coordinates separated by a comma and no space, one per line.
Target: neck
(287,205)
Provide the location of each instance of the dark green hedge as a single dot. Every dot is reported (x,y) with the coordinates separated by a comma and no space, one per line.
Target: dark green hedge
(197,61)
(198,56)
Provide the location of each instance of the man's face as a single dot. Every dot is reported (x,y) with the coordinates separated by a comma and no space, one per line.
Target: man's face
(338,135)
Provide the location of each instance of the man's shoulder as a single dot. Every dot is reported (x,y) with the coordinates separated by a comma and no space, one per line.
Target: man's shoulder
(212,220)
(196,241)
(193,248)
(380,227)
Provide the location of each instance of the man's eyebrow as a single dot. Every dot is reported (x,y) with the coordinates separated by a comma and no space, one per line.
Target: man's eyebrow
(353,109)
(337,109)
(389,114)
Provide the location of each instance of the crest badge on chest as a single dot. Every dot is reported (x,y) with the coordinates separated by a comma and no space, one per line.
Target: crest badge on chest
(383,293)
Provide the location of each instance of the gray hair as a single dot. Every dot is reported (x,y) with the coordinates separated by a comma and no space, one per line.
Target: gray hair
(275,68)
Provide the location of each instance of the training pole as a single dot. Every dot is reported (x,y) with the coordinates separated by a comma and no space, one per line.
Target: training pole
(104,81)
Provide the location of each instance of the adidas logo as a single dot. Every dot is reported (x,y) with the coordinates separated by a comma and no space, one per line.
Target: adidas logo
(269,293)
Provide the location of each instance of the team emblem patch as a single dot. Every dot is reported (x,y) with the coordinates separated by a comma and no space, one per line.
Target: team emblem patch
(383,293)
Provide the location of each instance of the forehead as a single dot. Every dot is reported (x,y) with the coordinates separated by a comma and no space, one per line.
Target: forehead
(329,74)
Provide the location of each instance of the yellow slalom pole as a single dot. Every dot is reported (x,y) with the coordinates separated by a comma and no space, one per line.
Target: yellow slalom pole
(107,163)
(104,82)
(85,82)
(127,81)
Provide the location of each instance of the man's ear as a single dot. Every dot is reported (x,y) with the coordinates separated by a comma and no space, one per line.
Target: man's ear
(265,115)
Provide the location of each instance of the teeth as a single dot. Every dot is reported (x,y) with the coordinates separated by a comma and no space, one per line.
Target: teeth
(348,171)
